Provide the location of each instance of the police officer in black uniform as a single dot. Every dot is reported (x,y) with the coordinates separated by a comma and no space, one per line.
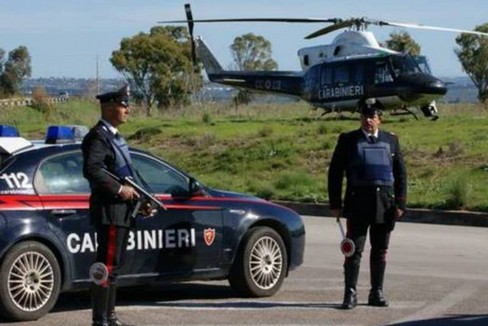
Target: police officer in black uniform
(111,203)
(375,198)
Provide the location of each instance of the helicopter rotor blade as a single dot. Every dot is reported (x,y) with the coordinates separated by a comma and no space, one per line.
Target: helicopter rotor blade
(337,23)
(435,28)
(262,20)
(331,28)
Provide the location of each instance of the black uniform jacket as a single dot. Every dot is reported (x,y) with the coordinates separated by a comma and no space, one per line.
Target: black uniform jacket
(106,207)
(369,202)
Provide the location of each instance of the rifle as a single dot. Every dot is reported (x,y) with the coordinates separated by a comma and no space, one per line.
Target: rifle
(144,196)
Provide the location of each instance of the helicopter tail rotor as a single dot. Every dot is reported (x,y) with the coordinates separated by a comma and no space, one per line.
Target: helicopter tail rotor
(189,17)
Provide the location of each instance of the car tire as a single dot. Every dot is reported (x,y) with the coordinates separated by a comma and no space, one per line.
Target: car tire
(261,264)
(30,281)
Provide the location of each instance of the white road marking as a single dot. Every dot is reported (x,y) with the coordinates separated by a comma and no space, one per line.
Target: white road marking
(439,307)
(234,305)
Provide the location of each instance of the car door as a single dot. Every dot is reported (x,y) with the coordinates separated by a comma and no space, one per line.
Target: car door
(64,194)
(183,240)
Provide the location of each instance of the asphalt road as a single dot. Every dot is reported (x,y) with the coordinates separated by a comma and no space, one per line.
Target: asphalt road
(436,275)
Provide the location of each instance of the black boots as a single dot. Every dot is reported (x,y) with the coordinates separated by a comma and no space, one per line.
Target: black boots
(99,299)
(351,273)
(103,306)
(376,297)
(350,299)
(111,315)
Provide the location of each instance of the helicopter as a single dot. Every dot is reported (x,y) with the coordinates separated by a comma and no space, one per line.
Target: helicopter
(352,72)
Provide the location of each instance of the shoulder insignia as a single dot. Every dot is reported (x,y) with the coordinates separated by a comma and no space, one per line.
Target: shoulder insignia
(393,134)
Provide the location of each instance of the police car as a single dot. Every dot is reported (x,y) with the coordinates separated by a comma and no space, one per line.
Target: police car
(47,244)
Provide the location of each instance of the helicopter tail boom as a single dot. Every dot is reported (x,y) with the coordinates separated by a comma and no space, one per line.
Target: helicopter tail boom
(209,61)
(280,82)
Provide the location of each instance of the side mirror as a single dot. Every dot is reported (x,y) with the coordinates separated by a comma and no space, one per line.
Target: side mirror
(180,193)
(194,187)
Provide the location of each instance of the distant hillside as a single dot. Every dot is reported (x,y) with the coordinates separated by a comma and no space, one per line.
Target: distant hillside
(72,86)
(460,89)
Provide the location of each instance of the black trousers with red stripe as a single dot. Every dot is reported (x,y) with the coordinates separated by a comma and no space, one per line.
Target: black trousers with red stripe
(112,245)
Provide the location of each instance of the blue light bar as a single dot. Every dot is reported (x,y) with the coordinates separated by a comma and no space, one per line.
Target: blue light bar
(8,131)
(59,134)
(65,134)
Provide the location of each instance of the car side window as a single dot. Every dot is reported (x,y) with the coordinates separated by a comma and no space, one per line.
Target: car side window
(61,174)
(160,178)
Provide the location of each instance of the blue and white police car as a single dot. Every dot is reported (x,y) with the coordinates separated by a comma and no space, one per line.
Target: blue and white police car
(47,243)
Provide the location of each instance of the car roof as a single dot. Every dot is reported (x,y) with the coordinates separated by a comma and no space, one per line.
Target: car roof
(11,143)
(17,145)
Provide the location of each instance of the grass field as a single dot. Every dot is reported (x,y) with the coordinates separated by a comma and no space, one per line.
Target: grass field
(282,151)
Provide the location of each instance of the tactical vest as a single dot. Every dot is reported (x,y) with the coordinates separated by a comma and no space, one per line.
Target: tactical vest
(123,163)
(372,165)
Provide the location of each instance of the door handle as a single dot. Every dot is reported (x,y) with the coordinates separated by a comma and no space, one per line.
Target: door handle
(63,212)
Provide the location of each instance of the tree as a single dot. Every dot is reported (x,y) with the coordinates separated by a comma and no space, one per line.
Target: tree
(251,52)
(14,70)
(403,42)
(473,56)
(158,65)
(2,55)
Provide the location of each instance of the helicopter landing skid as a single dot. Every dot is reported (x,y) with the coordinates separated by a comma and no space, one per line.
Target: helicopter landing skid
(405,111)
(338,113)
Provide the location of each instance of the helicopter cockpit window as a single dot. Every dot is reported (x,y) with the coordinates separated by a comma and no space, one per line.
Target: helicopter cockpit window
(404,65)
(382,74)
(423,63)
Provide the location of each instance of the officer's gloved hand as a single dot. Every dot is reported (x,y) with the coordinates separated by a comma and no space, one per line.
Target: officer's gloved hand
(147,209)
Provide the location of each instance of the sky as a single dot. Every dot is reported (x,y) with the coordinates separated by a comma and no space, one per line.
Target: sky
(70,38)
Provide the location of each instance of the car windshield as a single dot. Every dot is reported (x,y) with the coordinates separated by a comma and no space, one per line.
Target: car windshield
(404,65)
(5,160)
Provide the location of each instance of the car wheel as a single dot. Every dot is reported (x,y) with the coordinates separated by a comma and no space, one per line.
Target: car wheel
(30,281)
(261,264)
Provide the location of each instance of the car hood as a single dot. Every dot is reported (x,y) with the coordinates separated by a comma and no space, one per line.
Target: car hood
(231,194)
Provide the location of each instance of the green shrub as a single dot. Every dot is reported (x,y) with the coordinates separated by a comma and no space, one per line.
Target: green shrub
(322,129)
(266,131)
(458,193)
(207,118)
(144,134)
(265,192)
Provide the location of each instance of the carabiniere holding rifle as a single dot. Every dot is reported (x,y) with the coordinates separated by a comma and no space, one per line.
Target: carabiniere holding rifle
(112,203)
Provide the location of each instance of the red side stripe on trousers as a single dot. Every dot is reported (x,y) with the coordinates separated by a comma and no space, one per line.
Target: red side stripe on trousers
(111,243)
